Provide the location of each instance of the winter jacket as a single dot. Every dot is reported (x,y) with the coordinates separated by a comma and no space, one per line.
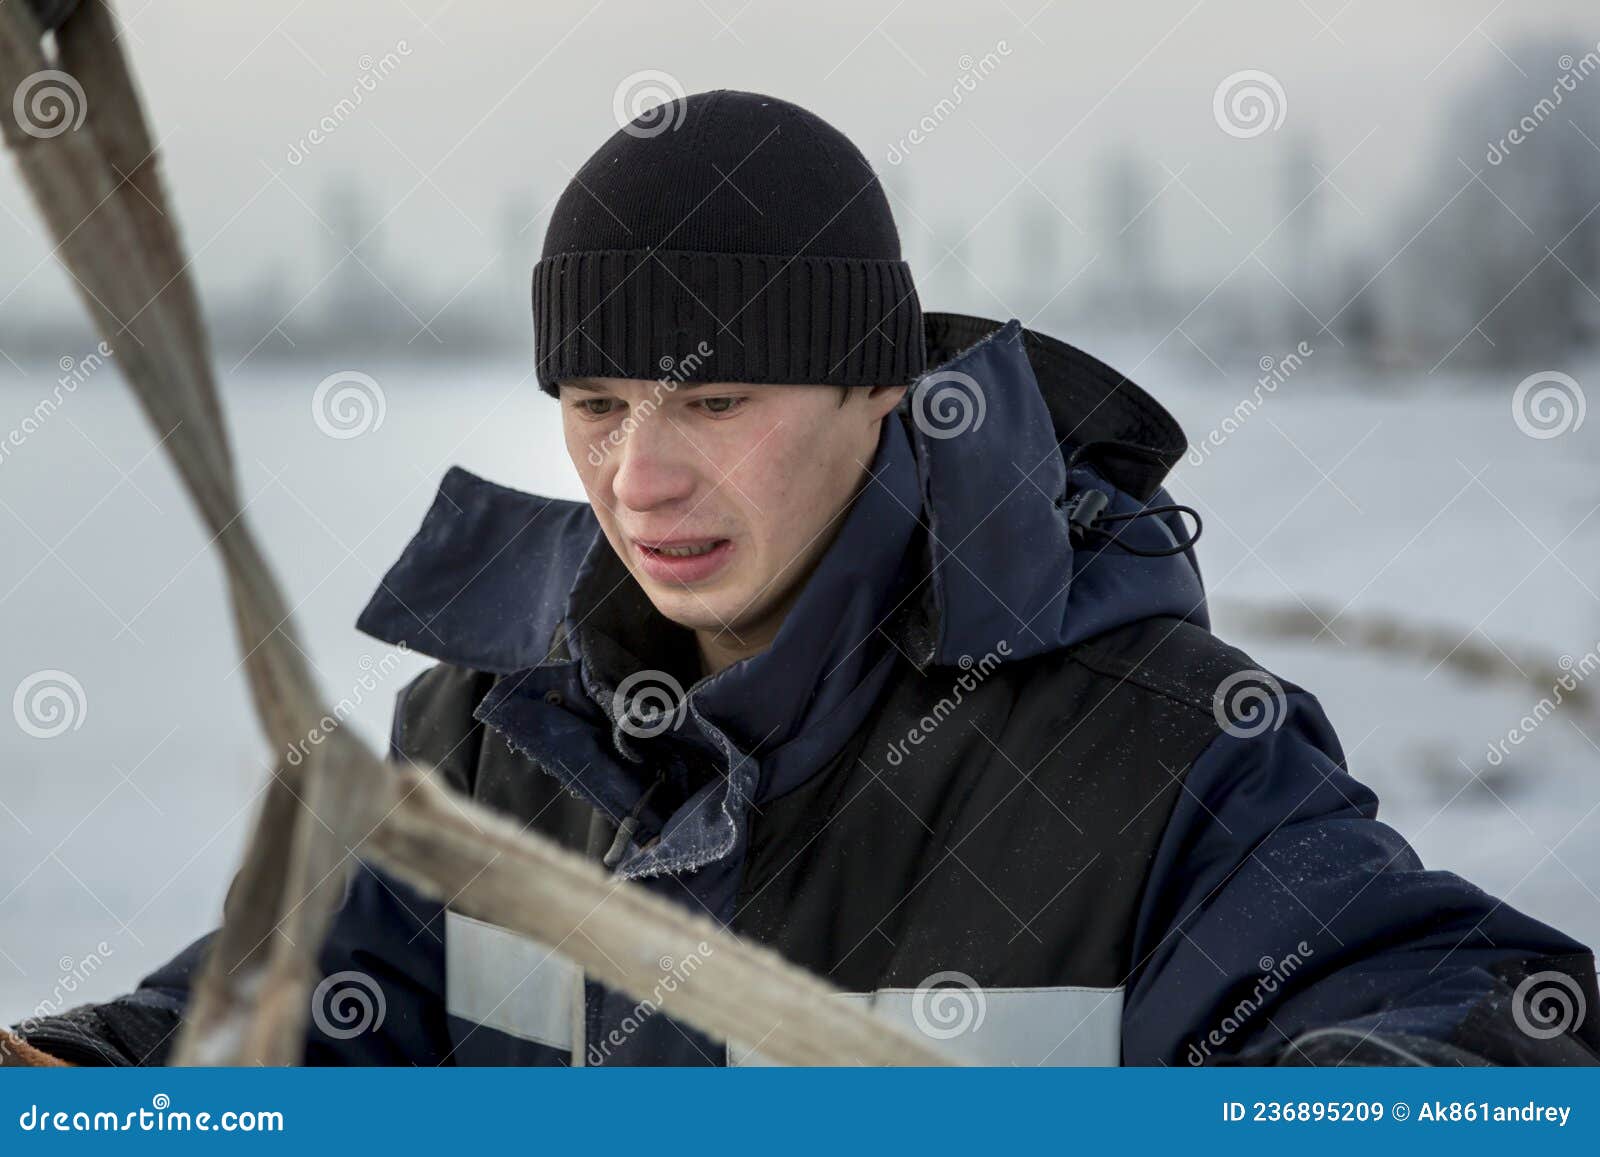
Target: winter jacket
(994,779)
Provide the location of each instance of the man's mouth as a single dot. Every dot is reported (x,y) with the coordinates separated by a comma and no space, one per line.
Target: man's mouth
(683,560)
(685,551)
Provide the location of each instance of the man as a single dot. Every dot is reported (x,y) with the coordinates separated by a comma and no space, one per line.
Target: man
(879,641)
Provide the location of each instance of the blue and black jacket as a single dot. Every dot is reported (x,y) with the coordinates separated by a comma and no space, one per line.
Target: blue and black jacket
(994,778)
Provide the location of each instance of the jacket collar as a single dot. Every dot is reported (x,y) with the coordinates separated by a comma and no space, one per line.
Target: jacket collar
(977,561)
(486,581)
(752,731)
(790,705)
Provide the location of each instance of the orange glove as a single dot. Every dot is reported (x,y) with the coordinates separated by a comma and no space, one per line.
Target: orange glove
(18,1053)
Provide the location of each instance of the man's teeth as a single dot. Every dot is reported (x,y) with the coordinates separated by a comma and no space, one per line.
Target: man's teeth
(686,551)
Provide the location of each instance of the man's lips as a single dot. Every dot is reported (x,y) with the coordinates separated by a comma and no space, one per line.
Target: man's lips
(682,560)
(678,545)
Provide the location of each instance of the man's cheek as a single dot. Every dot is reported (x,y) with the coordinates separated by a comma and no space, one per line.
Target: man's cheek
(761,492)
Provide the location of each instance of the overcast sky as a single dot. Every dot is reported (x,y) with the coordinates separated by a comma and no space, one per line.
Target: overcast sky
(492,105)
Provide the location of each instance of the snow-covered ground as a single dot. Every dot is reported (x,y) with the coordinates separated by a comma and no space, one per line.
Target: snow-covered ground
(1420,498)
(1423,500)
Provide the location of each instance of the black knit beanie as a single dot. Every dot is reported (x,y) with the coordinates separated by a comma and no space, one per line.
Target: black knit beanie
(726,237)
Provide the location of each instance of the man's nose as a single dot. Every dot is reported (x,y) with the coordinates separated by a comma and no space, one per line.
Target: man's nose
(655,465)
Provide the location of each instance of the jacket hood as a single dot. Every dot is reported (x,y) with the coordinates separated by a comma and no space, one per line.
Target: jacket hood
(485,582)
(962,547)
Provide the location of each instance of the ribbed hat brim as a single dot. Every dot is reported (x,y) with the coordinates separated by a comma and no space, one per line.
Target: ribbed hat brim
(735,317)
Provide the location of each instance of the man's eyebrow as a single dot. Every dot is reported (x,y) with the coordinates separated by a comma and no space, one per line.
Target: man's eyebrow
(596,386)
(715,387)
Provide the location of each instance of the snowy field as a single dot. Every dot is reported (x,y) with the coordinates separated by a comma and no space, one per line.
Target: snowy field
(1413,496)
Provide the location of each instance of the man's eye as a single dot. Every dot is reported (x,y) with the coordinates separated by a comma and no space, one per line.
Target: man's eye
(595,407)
(719,405)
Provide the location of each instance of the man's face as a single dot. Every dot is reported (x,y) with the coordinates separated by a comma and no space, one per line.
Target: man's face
(721,497)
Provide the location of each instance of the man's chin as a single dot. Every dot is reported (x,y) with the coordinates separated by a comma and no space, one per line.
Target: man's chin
(708,612)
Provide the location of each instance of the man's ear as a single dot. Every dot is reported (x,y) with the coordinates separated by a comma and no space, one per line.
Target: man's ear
(882,399)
